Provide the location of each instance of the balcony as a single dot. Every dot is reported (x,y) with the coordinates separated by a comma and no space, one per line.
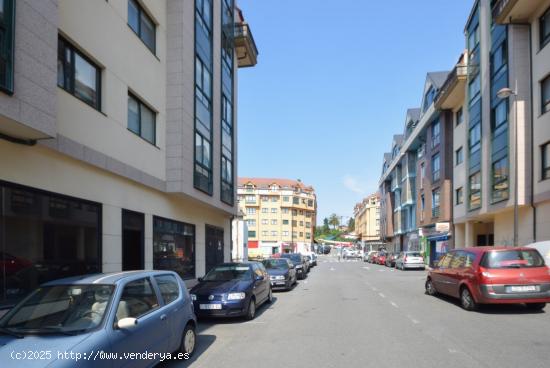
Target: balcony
(513,11)
(453,90)
(247,52)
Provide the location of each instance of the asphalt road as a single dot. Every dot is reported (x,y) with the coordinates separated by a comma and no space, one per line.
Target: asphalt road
(353,314)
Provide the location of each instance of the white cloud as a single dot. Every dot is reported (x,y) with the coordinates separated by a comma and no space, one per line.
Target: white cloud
(353,184)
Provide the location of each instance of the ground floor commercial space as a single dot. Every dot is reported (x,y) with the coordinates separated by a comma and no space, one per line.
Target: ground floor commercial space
(497,229)
(60,217)
(266,249)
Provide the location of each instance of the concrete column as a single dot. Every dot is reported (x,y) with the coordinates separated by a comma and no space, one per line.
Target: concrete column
(469,235)
(112,239)
(148,246)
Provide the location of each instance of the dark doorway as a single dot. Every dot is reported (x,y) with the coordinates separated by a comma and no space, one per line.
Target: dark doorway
(133,240)
(214,246)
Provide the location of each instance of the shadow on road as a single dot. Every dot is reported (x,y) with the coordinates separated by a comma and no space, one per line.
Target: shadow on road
(203,343)
(497,309)
(206,322)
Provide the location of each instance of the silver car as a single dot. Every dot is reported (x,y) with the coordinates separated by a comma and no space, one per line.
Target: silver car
(410,259)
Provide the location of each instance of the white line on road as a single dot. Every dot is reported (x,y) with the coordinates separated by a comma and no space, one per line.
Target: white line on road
(394,304)
(374,289)
(381,270)
(332,268)
(366,268)
(381,295)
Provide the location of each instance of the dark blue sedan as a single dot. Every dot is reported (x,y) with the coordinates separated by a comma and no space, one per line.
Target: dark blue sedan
(232,290)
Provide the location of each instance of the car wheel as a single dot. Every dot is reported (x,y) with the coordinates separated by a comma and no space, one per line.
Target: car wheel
(270,296)
(467,300)
(536,306)
(188,340)
(430,289)
(251,311)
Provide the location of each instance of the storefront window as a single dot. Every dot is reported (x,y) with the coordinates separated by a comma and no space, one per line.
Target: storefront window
(174,247)
(43,237)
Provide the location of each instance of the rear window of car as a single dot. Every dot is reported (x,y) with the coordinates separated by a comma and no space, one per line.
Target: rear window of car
(414,254)
(512,259)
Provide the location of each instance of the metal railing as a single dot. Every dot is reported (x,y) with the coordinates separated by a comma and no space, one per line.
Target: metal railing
(243,30)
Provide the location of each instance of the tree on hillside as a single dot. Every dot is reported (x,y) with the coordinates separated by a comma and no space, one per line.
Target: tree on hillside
(351,224)
(334,220)
(326,227)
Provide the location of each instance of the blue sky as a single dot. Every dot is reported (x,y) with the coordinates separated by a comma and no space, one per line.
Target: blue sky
(332,85)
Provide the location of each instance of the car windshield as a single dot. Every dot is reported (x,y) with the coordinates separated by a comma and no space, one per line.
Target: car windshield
(295,258)
(512,259)
(229,273)
(414,254)
(63,309)
(276,264)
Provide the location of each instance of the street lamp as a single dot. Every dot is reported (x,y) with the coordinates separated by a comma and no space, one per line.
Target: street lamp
(503,93)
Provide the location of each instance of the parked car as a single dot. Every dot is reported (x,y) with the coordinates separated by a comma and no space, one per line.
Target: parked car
(282,273)
(544,249)
(298,260)
(308,265)
(324,249)
(390,259)
(492,275)
(232,290)
(351,253)
(381,258)
(367,256)
(410,259)
(373,257)
(312,258)
(111,313)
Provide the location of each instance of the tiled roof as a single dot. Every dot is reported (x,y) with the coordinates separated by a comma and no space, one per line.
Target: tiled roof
(264,183)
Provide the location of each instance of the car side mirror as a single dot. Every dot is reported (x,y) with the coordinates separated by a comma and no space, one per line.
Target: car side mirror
(199,279)
(126,323)
(259,278)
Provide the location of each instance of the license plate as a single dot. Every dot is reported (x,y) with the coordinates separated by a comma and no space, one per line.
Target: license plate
(522,289)
(210,306)
(277,283)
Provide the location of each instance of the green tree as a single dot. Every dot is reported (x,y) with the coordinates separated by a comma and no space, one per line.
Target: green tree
(326,227)
(351,224)
(334,220)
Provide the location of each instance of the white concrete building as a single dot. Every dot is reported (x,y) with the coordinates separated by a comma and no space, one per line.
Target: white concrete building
(117,144)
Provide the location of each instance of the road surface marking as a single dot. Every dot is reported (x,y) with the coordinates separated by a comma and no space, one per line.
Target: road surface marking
(381,295)
(332,268)
(374,289)
(453,351)
(394,304)
(366,268)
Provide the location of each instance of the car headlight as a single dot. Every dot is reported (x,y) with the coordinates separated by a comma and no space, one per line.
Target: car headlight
(280,277)
(193,297)
(236,296)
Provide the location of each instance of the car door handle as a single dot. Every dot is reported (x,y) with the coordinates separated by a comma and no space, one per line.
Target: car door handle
(163,317)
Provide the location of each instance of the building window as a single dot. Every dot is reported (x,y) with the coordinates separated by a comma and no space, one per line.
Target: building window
(273,222)
(204,15)
(308,224)
(308,235)
(142,24)
(265,210)
(545,93)
(500,117)
(422,207)
(436,164)
(544,25)
(141,119)
(436,136)
(301,223)
(422,172)
(301,234)
(459,156)
(265,222)
(475,138)
(428,98)
(227,191)
(459,196)
(285,222)
(294,213)
(251,199)
(285,233)
(78,75)
(286,199)
(251,233)
(500,179)
(294,223)
(475,190)
(251,222)
(7,33)
(499,58)
(435,202)
(274,199)
(285,211)
(250,211)
(310,202)
(545,152)
(274,233)
(473,38)
(296,200)
(264,233)
(265,199)
(273,210)
(459,117)
(174,247)
(474,88)
(44,236)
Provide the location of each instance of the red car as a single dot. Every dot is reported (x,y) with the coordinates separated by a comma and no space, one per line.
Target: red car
(381,259)
(492,275)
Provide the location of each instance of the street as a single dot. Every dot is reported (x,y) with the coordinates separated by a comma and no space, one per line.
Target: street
(356,314)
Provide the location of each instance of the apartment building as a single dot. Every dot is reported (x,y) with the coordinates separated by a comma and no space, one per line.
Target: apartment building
(504,137)
(281,215)
(367,222)
(416,182)
(117,144)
